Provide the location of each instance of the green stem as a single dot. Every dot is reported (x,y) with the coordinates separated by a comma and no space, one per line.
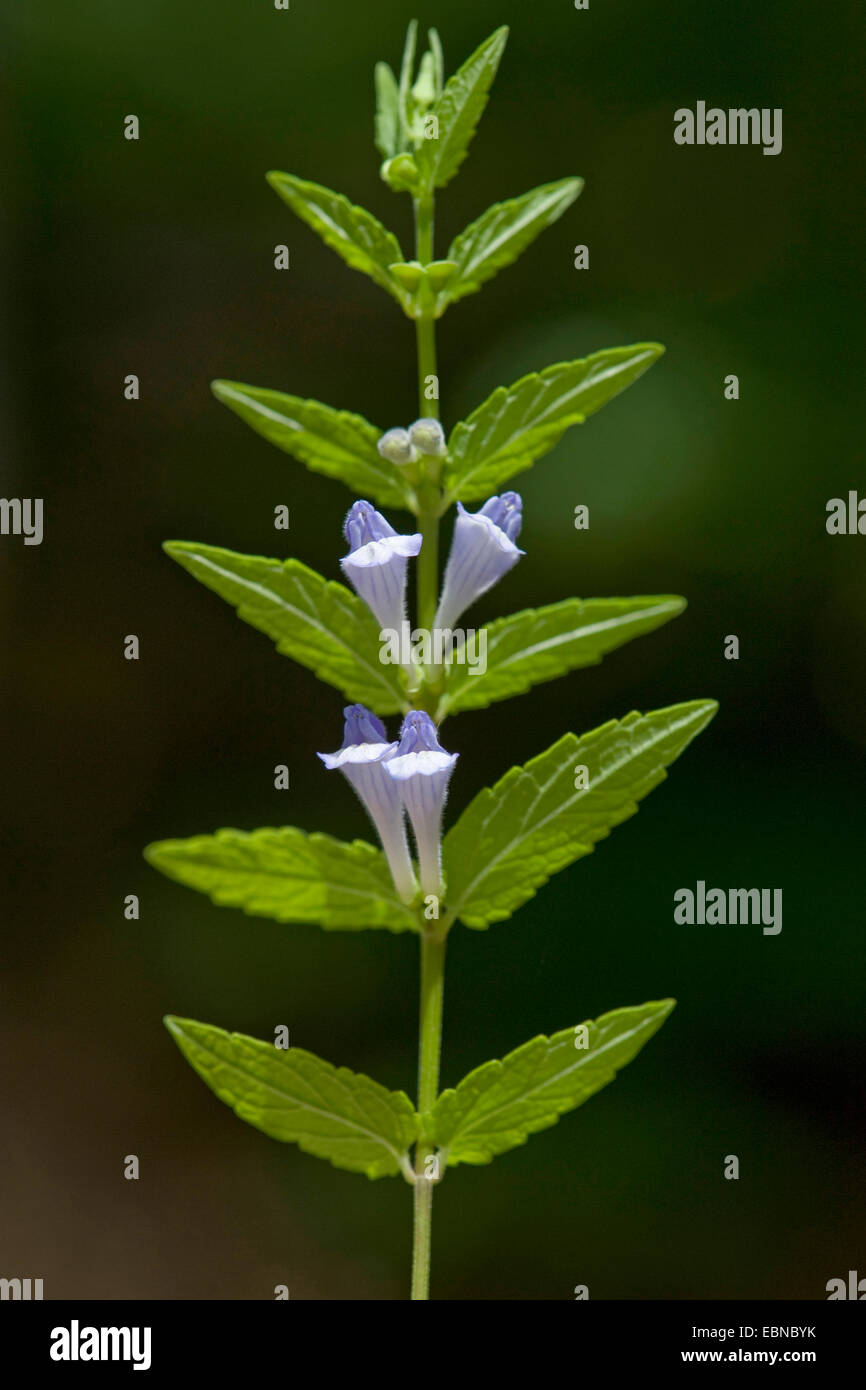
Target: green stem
(425,326)
(432,993)
(429,496)
(425,335)
(428,569)
(432,941)
(424,227)
(430,1043)
(423,1219)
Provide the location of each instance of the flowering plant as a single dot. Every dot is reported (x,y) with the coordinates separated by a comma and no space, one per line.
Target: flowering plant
(538,818)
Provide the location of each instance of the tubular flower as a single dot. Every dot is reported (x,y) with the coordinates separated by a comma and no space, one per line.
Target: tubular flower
(422,769)
(363,759)
(483,549)
(376,563)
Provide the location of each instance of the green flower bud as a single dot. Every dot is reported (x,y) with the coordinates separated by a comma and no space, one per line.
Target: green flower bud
(424,90)
(439,272)
(427,436)
(409,273)
(401,173)
(396,447)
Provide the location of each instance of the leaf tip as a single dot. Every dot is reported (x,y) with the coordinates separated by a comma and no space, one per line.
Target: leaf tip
(710,707)
(700,713)
(227,392)
(496,44)
(278,180)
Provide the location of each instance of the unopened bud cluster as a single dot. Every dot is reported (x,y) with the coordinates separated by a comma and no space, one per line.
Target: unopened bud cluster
(401,446)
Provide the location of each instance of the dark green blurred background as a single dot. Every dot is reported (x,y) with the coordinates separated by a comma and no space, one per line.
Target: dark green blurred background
(156,258)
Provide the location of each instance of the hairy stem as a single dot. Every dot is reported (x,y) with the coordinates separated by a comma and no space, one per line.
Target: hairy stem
(430,1042)
(428,569)
(432,942)
(428,493)
(425,335)
(424,227)
(425,324)
(423,1219)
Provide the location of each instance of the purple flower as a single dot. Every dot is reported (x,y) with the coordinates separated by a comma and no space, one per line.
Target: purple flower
(483,549)
(376,563)
(363,759)
(422,770)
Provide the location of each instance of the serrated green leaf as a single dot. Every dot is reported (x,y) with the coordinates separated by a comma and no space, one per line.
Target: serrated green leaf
(294,1096)
(387,126)
(334,442)
(518,424)
(540,644)
(458,111)
(289,876)
(355,234)
(319,623)
(512,837)
(497,1106)
(501,233)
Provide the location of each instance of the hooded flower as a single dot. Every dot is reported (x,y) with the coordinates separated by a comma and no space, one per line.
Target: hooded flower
(483,549)
(363,759)
(376,563)
(422,769)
